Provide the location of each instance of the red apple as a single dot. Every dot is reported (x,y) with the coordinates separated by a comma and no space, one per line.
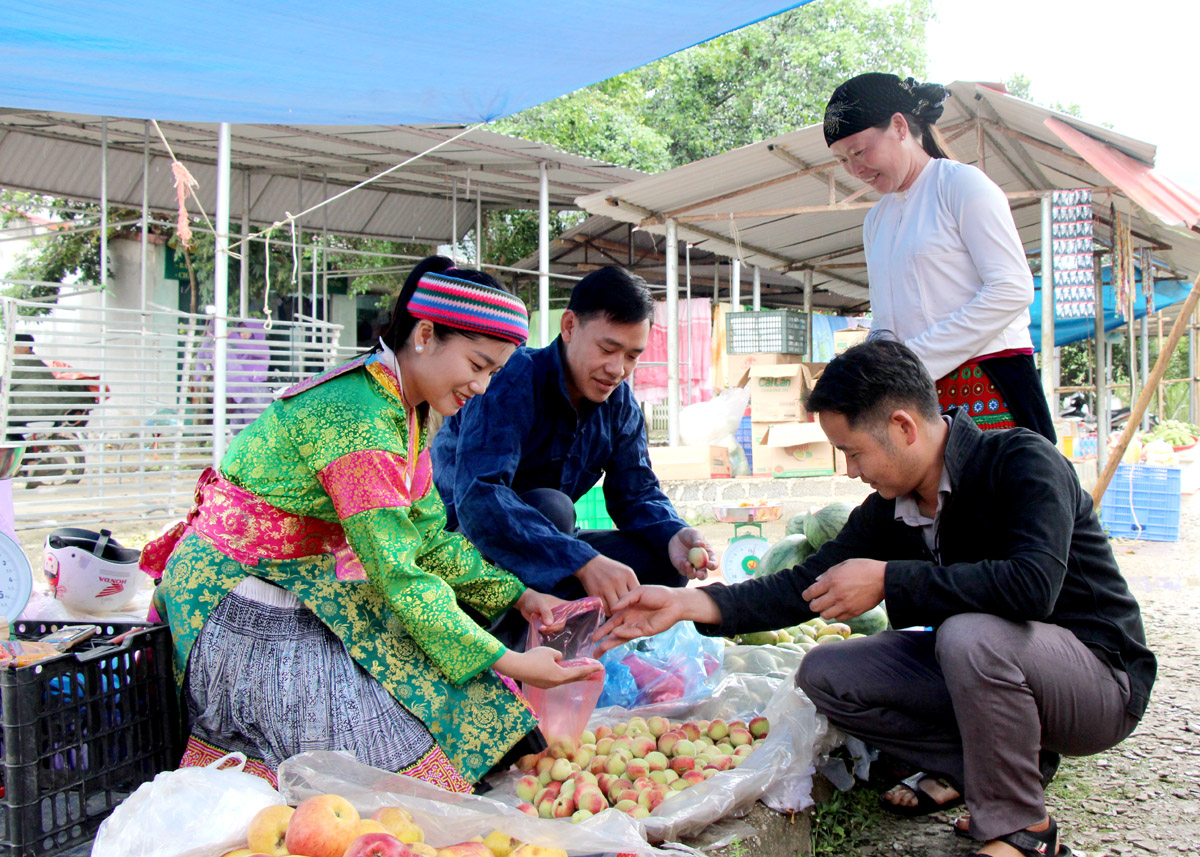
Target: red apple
(465,849)
(683,763)
(322,826)
(760,727)
(377,845)
(528,809)
(399,822)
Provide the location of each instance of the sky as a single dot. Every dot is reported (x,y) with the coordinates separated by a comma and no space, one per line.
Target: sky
(1132,64)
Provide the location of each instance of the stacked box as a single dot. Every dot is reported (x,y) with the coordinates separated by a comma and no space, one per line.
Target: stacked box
(745,438)
(1142,502)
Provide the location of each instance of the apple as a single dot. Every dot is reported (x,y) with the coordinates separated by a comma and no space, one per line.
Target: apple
(760,727)
(465,849)
(538,851)
(693,777)
(658,726)
(615,765)
(642,783)
(640,723)
(709,772)
(598,765)
(604,745)
(602,732)
(736,724)
(545,764)
(267,830)
(722,763)
(377,845)
(528,809)
(740,736)
(743,751)
(399,822)
(691,729)
(620,729)
(583,757)
(422,850)
(686,747)
(370,825)
(625,806)
(580,815)
(245,852)
(561,769)
(658,776)
(726,748)
(587,737)
(656,761)
(680,785)
(639,812)
(625,743)
(627,794)
(322,826)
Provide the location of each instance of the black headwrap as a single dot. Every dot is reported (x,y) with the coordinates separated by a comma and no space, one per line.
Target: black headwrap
(870,99)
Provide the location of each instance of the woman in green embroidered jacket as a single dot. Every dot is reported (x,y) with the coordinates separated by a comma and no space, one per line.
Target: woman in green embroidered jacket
(315,598)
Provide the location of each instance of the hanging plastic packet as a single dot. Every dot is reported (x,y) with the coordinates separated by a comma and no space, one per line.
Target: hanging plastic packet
(563,711)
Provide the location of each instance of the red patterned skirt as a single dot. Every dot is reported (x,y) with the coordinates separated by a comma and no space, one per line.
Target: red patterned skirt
(970,388)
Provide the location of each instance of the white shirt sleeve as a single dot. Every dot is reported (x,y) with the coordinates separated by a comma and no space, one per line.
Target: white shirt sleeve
(981,212)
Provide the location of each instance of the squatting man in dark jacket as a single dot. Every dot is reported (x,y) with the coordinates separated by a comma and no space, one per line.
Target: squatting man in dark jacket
(1027,641)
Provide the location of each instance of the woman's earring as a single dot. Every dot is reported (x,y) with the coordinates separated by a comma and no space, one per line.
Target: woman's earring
(419,348)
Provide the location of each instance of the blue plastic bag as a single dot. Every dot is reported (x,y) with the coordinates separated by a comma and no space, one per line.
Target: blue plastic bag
(678,664)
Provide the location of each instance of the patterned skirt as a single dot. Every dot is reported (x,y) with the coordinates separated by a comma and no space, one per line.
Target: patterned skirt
(267,678)
(970,388)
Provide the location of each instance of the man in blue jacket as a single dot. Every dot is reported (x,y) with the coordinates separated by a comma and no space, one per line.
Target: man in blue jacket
(510,465)
(1034,647)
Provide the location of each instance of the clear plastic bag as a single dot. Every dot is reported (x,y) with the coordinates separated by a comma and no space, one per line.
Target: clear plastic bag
(563,711)
(448,818)
(706,423)
(190,812)
(675,666)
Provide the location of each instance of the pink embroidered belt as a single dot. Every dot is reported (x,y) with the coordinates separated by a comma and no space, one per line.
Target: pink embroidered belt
(248,529)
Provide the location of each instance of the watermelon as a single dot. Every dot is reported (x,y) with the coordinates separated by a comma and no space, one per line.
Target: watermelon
(789,551)
(871,622)
(825,524)
(795,524)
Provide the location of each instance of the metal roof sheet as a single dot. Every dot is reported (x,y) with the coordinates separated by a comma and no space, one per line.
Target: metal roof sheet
(730,204)
(290,168)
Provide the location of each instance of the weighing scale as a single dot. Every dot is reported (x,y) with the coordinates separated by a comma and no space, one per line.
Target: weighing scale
(16,574)
(748,545)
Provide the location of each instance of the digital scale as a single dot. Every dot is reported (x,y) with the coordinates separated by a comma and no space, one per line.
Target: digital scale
(16,574)
(748,545)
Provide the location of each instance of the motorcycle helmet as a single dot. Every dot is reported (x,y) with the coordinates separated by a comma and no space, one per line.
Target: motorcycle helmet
(90,572)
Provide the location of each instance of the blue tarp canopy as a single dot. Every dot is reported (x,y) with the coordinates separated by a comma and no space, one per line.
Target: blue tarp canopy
(364,62)
(1166,292)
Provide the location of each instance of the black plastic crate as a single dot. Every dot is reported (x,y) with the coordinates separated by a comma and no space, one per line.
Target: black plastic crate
(81,731)
(775,331)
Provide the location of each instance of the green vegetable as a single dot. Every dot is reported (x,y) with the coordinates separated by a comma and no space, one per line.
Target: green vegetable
(824,525)
(789,551)
(871,622)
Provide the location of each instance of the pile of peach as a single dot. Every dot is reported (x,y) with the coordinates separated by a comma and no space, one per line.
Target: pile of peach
(632,766)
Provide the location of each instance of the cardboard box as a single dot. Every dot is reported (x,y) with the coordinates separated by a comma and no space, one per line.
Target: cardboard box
(786,449)
(690,462)
(737,366)
(776,392)
(843,339)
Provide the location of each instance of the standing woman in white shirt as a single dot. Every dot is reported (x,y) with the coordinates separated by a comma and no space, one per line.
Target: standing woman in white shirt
(946,268)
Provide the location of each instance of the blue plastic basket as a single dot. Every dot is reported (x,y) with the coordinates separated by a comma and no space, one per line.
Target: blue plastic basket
(744,437)
(590,511)
(1142,502)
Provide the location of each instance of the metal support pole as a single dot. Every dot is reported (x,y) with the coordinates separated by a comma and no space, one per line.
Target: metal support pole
(1148,293)
(244,268)
(325,309)
(1047,308)
(757,289)
(808,315)
(104,206)
(1194,370)
(691,371)
(543,255)
(145,215)
(454,220)
(672,251)
(1101,369)
(478,226)
(221,294)
(735,285)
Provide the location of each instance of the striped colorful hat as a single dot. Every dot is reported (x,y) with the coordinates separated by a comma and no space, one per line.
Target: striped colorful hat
(470,306)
